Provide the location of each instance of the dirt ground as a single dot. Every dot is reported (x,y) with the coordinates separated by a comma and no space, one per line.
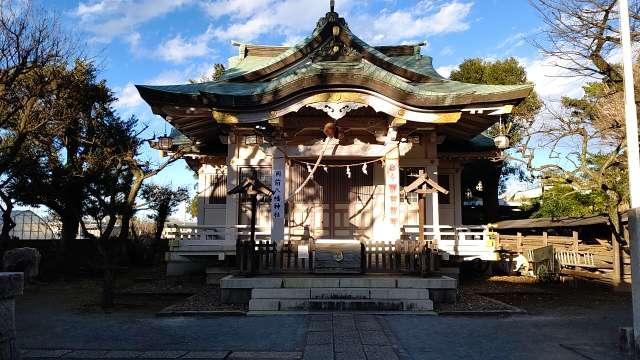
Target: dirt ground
(540,298)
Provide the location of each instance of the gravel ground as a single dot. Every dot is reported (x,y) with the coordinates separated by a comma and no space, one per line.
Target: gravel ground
(207,299)
(471,302)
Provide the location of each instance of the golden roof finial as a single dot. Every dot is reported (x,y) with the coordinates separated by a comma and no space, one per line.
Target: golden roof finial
(332,5)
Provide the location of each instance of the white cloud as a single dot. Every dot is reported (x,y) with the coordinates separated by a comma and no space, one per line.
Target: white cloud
(178,49)
(292,18)
(446,70)
(552,81)
(128,98)
(513,41)
(235,8)
(108,19)
(250,20)
(414,23)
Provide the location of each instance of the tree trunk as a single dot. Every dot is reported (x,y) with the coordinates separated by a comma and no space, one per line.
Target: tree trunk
(162,218)
(127,213)
(7,222)
(162,246)
(70,223)
(616,222)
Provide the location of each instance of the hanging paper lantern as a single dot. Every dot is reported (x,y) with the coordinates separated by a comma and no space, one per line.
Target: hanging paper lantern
(349,172)
(364,169)
(325,168)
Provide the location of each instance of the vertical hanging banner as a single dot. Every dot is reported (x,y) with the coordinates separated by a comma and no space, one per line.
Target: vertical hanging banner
(277,199)
(392,194)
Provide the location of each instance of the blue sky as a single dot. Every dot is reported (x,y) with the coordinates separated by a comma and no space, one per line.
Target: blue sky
(171,41)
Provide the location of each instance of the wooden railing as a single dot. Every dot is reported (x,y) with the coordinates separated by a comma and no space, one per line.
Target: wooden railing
(522,243)
(402,256)
(263,257)
(468,242)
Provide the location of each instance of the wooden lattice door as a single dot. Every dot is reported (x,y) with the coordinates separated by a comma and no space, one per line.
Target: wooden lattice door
(332,204)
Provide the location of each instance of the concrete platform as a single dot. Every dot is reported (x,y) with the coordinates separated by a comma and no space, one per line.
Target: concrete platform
(338,293)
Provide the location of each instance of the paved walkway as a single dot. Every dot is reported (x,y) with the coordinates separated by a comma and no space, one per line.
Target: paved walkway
(342,336)
(40,354)
(50,330)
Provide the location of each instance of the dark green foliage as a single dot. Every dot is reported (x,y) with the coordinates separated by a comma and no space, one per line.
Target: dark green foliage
(563,200)
(163,200)
(193,206)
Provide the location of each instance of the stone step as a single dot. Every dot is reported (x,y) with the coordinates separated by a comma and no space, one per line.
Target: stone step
(341,293)
(339,305)
(436,282)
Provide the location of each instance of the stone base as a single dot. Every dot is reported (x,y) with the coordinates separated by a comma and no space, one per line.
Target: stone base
(443,296)
(235,296)
(348,293)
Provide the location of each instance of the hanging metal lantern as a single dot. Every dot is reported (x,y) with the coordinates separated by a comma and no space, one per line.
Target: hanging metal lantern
(501,141)
(165,142)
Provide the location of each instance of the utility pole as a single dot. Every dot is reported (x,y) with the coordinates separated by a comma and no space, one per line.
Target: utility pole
(633,156)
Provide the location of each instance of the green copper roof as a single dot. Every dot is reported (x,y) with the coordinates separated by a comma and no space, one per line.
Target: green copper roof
(332,57)
(308,69)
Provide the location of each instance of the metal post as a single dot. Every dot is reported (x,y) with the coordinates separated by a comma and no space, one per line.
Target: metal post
(633,156)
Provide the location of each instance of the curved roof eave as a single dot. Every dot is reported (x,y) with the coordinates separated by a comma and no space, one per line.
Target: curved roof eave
(420,97)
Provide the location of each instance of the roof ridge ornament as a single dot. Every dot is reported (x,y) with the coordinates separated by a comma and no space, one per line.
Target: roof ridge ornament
(332,17)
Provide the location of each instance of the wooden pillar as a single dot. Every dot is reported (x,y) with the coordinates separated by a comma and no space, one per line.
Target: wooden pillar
(254,216)
(233,202)
(519,242)
(436,218)
(278,181)
(545,238)
(575,241)
(422,204)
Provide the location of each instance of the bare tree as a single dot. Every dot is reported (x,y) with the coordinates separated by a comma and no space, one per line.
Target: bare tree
(584,138)
(584,35)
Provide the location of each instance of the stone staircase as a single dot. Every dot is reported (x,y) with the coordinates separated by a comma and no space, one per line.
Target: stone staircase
(318,294)
(340,299)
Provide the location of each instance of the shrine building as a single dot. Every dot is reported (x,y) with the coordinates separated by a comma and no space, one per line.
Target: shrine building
(336,128)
